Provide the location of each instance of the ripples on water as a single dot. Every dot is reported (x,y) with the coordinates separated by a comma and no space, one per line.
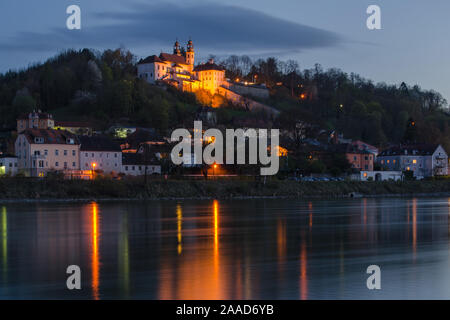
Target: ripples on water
(246,249)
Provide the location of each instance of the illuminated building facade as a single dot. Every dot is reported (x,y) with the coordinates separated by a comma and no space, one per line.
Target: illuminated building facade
(42,150)
(178,69)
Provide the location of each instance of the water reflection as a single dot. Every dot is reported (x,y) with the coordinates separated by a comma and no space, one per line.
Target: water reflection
(252,249)
(95,235)
(4,236)
(414,227)
(179,228)
(124,256)
(303,275)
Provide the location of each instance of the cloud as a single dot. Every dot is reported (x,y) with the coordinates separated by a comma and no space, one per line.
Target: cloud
(215,28)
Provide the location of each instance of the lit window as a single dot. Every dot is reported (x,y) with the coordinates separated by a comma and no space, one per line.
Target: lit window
(414,161)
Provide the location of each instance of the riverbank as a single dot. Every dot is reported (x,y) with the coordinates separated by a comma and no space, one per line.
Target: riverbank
(128,189)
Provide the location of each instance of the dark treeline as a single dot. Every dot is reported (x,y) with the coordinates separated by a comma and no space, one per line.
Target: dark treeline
(379,114)
(98,87)
(102,87)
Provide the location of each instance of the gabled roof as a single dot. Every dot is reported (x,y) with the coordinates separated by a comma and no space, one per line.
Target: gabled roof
(98,143)
(50,136)
(410,150)
(150,59)
(208,66)
(142,135)
(129,159)
(172,58)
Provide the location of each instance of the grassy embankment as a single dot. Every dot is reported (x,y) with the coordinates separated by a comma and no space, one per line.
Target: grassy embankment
(11,188)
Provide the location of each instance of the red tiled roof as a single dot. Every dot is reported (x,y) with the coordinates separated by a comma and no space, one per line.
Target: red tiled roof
(150,59)
(50,136)
(208,66)
(172,58)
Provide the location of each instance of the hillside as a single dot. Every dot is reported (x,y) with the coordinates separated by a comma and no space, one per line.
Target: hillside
(101,87)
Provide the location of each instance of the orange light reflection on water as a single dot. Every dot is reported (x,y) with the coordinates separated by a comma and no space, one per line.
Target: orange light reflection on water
(95,255)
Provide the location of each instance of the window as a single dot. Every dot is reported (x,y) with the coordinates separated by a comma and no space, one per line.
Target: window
(388,161)
(126,168)
(92,155)
(41,163)
(366,158)
(65,152)
(65,164)
(45,152)
(414,161)
(74,152)
(56,152)
(115,155)
(73,164)
(86,155)
(56,164)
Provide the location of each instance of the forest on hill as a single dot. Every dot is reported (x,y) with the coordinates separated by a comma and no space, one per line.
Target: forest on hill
(102,87)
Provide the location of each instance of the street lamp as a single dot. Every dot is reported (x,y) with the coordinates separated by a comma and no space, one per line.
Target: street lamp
(214,169)
(93,164)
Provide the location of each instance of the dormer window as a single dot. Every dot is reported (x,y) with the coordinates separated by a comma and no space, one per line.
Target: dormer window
(38,140)
(70,141)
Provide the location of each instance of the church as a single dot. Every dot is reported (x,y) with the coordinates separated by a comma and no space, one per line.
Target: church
(178,70)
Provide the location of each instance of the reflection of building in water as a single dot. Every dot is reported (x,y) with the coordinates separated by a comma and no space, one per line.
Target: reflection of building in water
(95,235)
(179,228)
(199,274)
(4,238)
(124,258)
(303,275)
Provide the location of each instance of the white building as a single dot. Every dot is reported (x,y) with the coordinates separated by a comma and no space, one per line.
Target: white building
(136,164)
(422,160)
(42,150)
(100,153)
(178,69)
(8,165)
(380,175)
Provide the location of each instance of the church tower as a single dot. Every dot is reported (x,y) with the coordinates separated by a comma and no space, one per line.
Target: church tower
(176,48)
(190,55)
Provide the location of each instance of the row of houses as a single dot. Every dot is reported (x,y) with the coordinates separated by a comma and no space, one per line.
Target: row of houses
(40,151)
(368,163)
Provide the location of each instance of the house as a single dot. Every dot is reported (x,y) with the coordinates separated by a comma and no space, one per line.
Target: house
(423,160)
(35,120)
(41,150)
(360,160)
(8,165)
(360,145)
(100,153)
(139,136)
(139,164)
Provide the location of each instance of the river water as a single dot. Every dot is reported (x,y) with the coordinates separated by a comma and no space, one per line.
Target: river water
(239,249)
